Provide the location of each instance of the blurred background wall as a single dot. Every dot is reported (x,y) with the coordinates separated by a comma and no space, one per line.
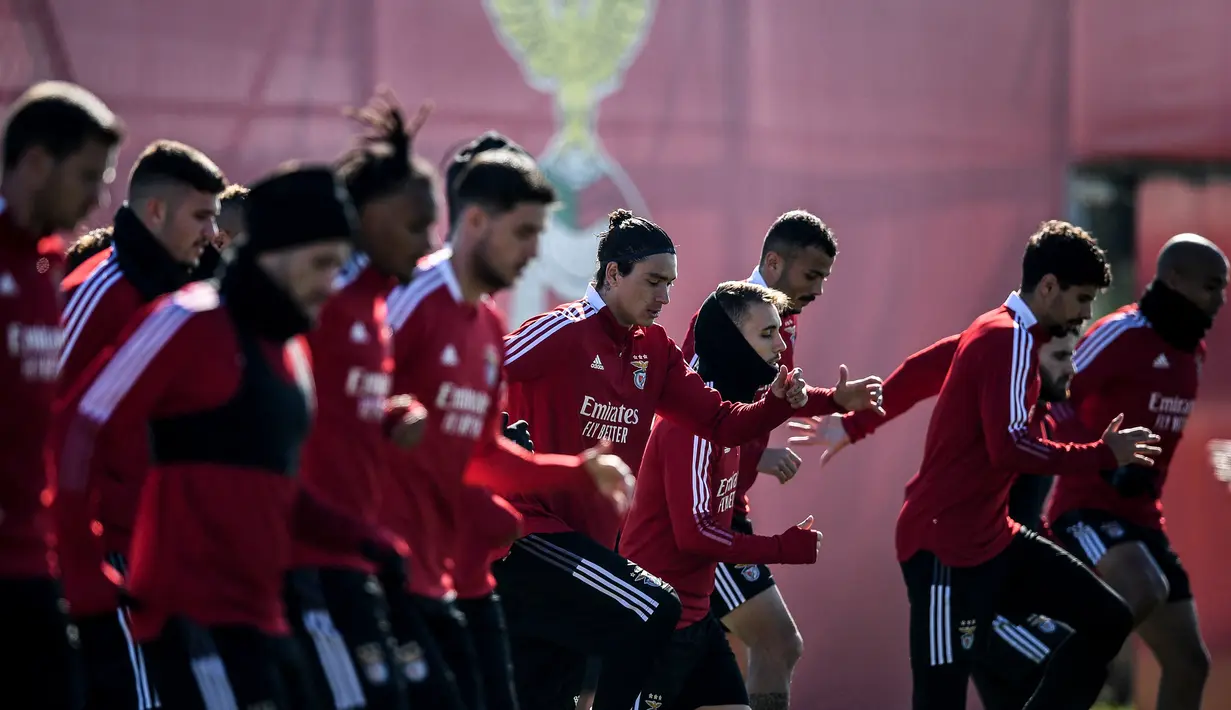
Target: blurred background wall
(933,136)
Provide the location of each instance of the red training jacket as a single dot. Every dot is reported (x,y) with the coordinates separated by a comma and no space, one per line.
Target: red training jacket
(579,377)
(978,440)
(1123,366)
(919,377)
(30,322)
(679,526)
(448,353)
(345,458)
(211,542)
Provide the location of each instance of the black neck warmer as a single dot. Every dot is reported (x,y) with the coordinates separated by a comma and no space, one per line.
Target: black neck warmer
(725,357)
(258,305)
(1177,320)
(146,264)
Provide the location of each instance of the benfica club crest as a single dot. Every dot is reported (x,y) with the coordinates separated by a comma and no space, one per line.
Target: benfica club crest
(641,364)
(492,366)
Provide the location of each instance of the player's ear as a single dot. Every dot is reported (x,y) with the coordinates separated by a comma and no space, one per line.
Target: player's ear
(612,273)
(474,217)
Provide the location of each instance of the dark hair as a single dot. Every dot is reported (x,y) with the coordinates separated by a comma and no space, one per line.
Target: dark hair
(499,180)
(60,118)
(173,162)
(795,231)
(383,164)
(86,246)
(1067,252)
(736,297)
(629,239)
(233,196)
(489,141)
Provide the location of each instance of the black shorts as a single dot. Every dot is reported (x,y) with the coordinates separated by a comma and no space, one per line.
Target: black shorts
(697,669)
(116,673)
(1016,656)
(42,662)
(568,598)
(1089,533)
(360,613)
(196,668)
(435,653)
(736,584)
(953,612)
(488,632)
(329,659)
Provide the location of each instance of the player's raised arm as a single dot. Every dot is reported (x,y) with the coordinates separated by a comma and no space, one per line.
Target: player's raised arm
(919,377)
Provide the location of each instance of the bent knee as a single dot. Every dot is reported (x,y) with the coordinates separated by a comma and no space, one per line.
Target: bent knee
(783,649)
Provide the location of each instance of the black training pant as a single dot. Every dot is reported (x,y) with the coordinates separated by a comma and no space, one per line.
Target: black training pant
(436,653)
(566,598)
(952,611)
(42,657)
(228,667)
(357,604)
(488,632)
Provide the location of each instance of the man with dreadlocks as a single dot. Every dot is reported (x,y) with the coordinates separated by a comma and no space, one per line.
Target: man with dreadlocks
(335,604)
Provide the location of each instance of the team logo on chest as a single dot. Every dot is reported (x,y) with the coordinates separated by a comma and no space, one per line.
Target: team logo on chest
(641,364)
(492,366)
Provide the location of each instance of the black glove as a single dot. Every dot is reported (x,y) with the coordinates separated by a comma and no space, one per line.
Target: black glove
(390,565)
(1133,480)
(518,433)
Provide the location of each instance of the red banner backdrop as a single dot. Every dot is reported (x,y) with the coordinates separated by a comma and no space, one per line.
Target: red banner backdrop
(1198,504)
(932,136)
(1148,79)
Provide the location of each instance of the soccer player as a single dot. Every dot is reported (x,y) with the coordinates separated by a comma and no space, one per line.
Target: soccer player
(680,524)
(224,386)
(344,459)
(963,559)
(797,256)
(157,237)
(1145,360)
(1016,655)
(59,144)
(448,352)
(600,369)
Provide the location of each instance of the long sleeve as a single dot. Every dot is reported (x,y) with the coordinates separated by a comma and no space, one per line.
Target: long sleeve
(820,403)
(1005,369)
(686,401)
(508,469)
(688,477)
(919,377)
(116,394)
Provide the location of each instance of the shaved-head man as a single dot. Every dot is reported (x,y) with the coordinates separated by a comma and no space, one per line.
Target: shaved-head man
(1145,361)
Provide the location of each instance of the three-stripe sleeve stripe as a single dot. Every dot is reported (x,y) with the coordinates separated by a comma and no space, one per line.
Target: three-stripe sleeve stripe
(1020,376)
(940,621)
(592,575)
(1098,340)
(531,334)
(1020,638)
(85,299)
(702,453)
(131,360)
(403,300)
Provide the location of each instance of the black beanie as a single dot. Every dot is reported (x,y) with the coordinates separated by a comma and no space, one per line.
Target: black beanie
(295,207)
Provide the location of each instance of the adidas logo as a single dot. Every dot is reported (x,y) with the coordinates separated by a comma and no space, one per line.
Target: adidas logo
(1160,362)
(358,334)
(448,358)
(597,364)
